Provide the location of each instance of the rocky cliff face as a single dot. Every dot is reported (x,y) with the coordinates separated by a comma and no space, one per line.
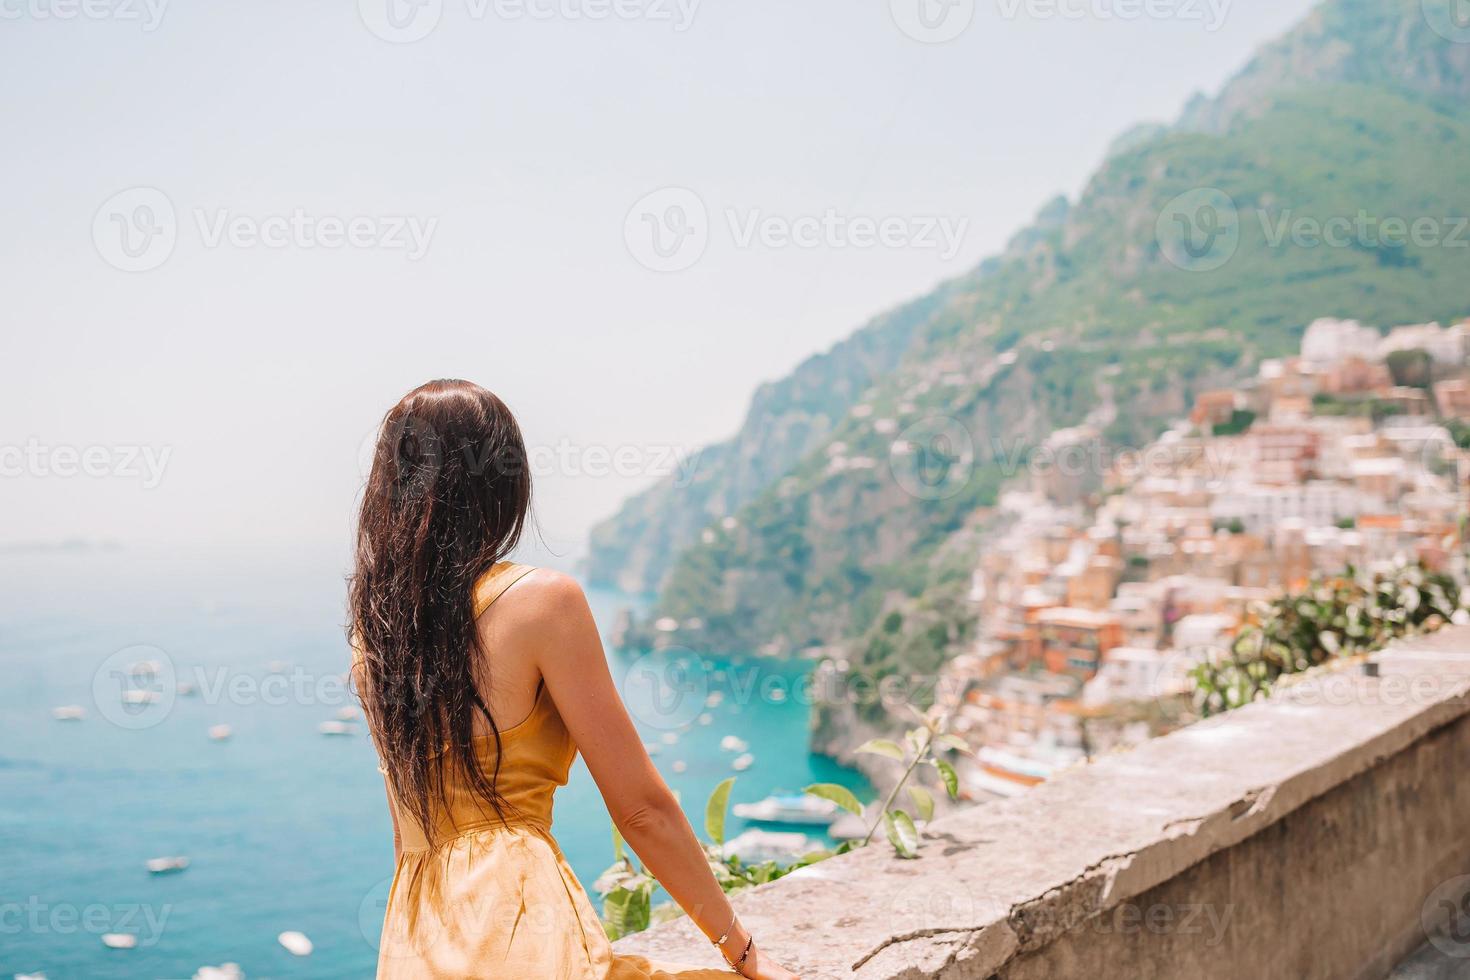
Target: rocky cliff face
(1388,44)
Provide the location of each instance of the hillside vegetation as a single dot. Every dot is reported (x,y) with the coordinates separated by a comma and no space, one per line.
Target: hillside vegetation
(862,530)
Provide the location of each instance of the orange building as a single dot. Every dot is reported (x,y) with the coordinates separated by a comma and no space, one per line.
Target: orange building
(1075,641)
(1094,586)
(1284,453)
(1356,376)
(1213,408)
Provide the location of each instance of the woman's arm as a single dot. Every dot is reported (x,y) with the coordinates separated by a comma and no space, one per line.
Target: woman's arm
(570,657)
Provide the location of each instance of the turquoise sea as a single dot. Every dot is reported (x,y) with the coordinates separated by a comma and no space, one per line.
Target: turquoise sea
(285,828)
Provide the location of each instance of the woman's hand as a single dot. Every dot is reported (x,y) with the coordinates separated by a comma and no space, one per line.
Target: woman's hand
(761,967)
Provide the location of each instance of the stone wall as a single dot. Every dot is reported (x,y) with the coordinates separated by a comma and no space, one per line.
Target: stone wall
(1321,834)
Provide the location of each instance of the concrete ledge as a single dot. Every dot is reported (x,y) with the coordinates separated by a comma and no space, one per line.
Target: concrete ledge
(1295,838)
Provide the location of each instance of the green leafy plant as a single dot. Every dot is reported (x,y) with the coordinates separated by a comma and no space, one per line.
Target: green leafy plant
(628,890)
(920,747)
(627,893)
(1347,615)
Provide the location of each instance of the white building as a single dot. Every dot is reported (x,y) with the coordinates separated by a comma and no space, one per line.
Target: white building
(1328,341)
(1138,674)
(1203,631)
(1260,507)
(1381,479)
(1446,345)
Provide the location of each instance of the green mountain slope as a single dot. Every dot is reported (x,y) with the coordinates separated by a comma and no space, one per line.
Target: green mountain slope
(1100,312)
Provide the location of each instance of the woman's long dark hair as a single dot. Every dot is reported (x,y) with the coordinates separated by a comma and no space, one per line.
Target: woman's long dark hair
(446,500)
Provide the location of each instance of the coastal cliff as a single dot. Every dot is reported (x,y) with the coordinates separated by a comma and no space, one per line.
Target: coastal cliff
(1177,270)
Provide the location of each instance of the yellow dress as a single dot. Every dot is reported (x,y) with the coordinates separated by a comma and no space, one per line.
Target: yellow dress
(478,898)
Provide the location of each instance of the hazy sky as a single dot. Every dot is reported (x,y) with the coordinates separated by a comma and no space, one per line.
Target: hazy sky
(328,217)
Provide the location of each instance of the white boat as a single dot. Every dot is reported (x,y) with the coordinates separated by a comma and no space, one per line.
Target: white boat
(136,695)
(145,668)
(743,762)
(652,748)
(186,689)
(706,718)
(167,865)
(295,943)
(30,976)
(778,695)
(731,743)
(277,667)
(225,971)
(119,940)
(801,810)
(348,713)
(69,712)
(679,765)
(753,846)
(669,738)
(337,728)
(714,699)
(221,733)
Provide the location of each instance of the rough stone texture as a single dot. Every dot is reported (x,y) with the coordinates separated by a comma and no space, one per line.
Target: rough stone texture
(1298,838)
(1430,963)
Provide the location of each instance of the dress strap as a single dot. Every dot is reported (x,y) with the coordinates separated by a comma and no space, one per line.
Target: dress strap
(492,584)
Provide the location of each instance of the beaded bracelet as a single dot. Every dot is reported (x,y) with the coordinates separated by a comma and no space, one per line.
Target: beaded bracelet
(737,964)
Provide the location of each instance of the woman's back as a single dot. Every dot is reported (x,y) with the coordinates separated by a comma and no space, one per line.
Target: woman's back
(487,894)
(535,757)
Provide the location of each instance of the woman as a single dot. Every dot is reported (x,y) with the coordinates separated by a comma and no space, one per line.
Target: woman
(451,642)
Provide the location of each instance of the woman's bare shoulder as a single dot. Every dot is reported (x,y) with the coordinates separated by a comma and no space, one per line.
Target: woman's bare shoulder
(541,596)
